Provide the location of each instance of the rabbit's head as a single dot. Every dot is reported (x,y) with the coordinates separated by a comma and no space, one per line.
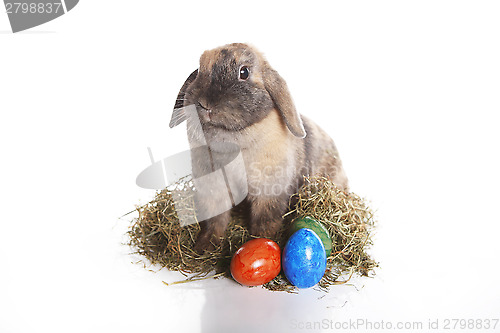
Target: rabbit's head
(234,88)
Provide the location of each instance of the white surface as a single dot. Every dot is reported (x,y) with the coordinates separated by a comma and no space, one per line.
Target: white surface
(408,90)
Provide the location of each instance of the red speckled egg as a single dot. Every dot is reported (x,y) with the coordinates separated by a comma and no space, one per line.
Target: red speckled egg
(256,262)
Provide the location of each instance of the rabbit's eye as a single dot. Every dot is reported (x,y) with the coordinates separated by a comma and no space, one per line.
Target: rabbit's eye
(244,73)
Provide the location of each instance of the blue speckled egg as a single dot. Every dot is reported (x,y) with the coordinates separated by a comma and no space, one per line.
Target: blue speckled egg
(304,259)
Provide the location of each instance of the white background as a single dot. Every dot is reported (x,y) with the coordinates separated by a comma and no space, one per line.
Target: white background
(408,90)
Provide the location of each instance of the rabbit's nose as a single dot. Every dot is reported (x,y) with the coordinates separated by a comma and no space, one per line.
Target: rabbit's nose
(205,112)
(202,104)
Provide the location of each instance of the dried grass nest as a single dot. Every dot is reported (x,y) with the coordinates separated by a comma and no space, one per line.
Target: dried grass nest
(157,235)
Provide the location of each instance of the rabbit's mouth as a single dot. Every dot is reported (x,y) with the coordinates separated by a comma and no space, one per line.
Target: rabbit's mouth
(218,118)
(211,118)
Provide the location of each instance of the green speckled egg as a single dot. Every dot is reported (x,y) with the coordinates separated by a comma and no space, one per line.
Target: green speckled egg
(317,227)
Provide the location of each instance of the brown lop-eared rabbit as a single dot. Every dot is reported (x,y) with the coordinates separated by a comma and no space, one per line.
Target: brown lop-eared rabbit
(240,99)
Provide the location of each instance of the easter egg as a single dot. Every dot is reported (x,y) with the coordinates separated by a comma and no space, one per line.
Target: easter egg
(317,227)
(304,259)
(256,262)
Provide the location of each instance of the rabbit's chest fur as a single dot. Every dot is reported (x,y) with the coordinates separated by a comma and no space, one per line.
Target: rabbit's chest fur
(270,161)
(268,152)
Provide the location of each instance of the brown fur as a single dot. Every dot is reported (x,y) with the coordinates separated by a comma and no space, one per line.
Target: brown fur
(258,115)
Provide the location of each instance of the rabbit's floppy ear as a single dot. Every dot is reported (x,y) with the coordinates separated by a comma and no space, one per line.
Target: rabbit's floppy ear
(278,90)
(178,114)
